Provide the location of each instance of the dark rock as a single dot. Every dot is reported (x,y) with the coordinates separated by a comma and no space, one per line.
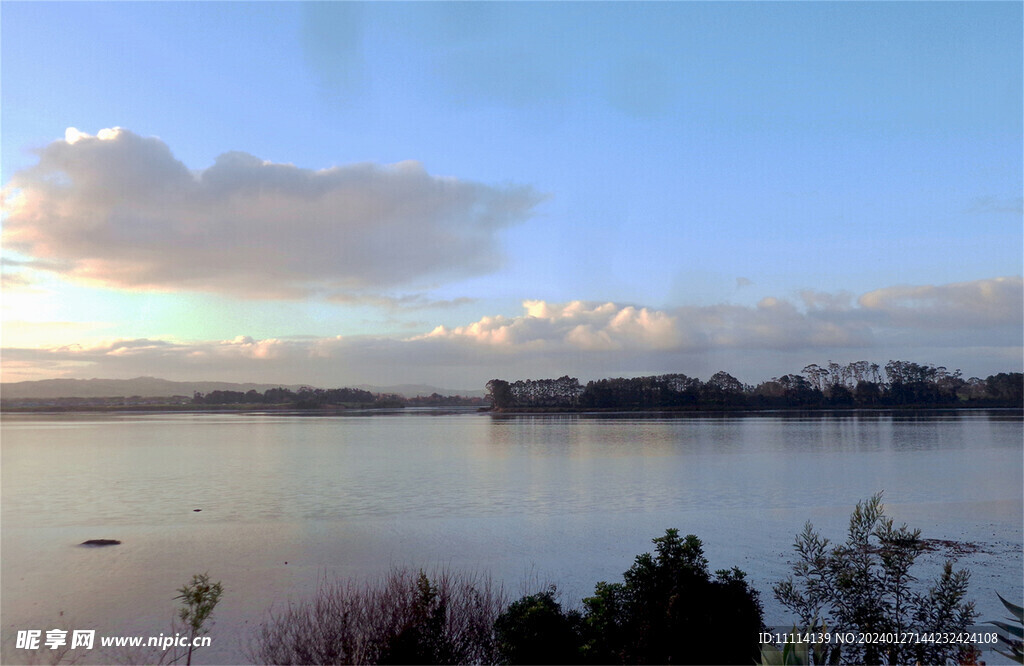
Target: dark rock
(100,542)
(197,510)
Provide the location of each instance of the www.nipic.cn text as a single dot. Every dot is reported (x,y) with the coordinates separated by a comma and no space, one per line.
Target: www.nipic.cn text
(54,639)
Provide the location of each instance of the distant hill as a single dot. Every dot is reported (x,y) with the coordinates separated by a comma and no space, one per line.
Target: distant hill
(153,387)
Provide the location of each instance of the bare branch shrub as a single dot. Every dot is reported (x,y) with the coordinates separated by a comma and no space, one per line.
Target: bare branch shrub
(403,617)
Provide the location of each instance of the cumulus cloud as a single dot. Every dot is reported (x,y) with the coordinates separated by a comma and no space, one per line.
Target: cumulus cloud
(975,325)
(772,324)
(977,304)
(119,210)
(982,312)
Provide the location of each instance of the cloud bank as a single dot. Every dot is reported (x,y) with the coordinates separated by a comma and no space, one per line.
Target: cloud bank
(772,324)
(960,324)
(119,210)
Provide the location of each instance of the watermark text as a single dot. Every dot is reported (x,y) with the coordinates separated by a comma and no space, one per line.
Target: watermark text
(54,639)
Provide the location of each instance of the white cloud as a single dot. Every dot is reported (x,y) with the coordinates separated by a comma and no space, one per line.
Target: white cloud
(976,326)
(773,324)
(119,210)
(977,304)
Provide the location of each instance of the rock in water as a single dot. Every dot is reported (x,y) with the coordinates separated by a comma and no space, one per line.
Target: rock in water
(100,542)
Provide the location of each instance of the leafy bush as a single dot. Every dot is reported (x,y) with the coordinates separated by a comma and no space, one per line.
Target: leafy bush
(1012,637)
(866,585)
(669,609)
(198,599)
(535,630)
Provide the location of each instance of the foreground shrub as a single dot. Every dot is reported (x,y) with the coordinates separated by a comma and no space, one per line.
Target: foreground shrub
(198,599)
(669,610)
(405,618)
(535,630)
(1012,636)
(866,585)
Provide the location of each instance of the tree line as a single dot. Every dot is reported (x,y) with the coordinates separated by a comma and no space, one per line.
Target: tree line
(856,384)
(312,398)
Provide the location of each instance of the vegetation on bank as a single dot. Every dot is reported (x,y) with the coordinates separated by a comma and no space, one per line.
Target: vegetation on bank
(901,384)
(305,398)
(668,609)
(198,599)
(407,617)
(1011,635)
(867,585)
(315,398)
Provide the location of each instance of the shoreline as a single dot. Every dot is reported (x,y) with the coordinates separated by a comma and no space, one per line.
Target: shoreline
(291,410)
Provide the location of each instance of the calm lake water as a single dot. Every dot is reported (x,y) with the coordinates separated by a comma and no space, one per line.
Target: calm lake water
(287,501)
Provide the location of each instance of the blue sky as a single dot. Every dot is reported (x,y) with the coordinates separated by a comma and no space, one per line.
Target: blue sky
(448,192)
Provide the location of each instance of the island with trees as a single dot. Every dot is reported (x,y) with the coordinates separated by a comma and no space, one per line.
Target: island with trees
(900,385)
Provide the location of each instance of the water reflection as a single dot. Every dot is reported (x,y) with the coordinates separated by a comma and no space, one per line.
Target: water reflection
(579,494)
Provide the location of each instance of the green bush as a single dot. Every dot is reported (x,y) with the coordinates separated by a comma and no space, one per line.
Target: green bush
(1012,637)
(198,599)
(866,585)
(535,630)
(669,609)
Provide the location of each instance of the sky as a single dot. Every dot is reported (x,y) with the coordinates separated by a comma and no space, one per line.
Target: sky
(342,193)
